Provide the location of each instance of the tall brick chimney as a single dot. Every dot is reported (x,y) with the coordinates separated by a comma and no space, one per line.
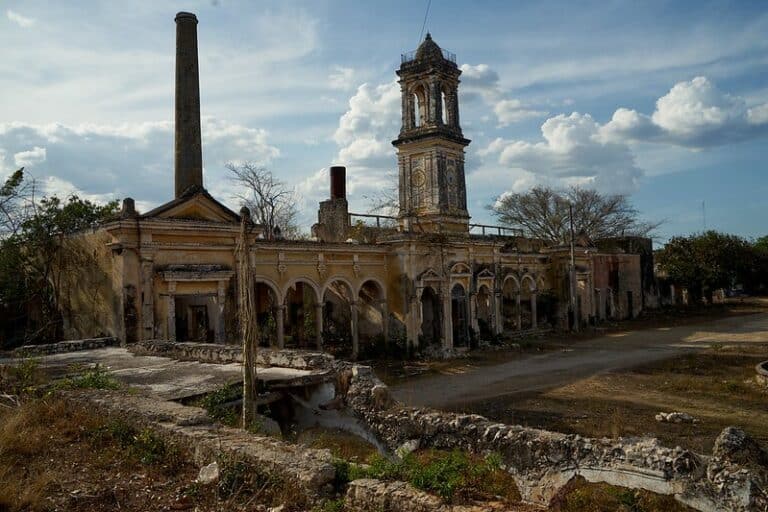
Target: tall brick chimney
(188,155)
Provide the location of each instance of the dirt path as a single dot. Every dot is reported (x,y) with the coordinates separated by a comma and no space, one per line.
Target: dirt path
(611,352)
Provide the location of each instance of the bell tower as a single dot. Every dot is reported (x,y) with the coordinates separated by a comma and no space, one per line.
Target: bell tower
(430,147)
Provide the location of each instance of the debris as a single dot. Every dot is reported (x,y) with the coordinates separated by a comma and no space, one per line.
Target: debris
(208,474)
(675,417)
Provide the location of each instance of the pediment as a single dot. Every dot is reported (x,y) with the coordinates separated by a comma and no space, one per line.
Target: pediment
(461,268)
(199,206)
(429,274)
(485,274)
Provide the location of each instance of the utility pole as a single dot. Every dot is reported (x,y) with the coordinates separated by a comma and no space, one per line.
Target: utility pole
(572,274)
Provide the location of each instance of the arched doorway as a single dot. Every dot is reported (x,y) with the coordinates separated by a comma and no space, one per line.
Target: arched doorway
(338,323)
(300,315)
(372,319)
(459,316)
(267,310)
(510,307)
(483,299)
(527,303)
(430,317)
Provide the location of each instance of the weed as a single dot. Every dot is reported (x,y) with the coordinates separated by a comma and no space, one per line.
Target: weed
(20,378)
(454,476)
(92,378)
(218,404)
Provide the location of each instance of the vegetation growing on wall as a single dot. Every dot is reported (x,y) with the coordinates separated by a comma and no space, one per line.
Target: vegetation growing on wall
(34,260)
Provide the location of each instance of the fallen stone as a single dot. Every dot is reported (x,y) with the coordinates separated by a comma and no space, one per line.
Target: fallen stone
(736,446)
(407,447)
(675,417)
(267,425)
(208,474)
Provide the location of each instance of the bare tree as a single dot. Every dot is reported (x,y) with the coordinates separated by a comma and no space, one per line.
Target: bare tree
(271,202)
(387,200)
(543,213)
(17,202)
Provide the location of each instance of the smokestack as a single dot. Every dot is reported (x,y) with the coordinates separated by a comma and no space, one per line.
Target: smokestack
(188,158)
(338,182)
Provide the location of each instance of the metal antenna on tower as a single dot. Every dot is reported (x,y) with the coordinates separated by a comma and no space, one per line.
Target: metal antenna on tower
(704,214)
(424,23)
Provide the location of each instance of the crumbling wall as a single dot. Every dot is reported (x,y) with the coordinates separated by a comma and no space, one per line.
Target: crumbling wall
(543,462)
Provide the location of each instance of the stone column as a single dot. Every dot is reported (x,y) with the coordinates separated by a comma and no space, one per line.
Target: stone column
(170,300)
(498,321)
(600,304)
(534,320)
(355,335)
(221,298)
(473,312)
(447,321)
(279,325)
(147,300)
(319,325)
(519,312)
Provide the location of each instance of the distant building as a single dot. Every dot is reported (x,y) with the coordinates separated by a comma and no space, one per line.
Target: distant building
(432,280)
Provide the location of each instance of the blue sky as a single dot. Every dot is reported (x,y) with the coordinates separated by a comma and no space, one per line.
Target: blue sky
(665,101)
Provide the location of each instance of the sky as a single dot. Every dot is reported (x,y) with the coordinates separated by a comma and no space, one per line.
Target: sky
(665,101)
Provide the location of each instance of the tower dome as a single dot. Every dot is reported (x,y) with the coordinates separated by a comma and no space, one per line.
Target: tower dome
(429,50)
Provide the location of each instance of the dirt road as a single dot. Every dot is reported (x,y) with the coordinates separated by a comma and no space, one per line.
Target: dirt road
(549,370)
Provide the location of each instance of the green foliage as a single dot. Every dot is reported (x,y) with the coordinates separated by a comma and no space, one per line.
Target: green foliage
(33,257)
(20,378)
(711,260)
(142,445)
(454,475)
(215,403)
(92,378)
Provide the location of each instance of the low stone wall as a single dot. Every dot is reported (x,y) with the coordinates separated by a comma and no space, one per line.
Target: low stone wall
(762,373)
(65,346)
(310,470)
(224,354)
(368,494)
(543,462)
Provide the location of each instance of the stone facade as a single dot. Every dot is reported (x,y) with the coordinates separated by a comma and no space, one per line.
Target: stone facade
(170,273)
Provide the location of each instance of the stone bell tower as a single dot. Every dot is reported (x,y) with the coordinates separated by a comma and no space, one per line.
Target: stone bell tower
(430,147)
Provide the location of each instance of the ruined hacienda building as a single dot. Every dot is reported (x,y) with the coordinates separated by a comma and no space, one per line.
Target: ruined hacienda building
(170,273)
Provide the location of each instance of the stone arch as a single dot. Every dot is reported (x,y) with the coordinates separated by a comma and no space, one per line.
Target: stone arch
(529,279)
(299,318)
(339,317)
(460,268)
(373,316)
(306,280)
(420,101)
(510,303)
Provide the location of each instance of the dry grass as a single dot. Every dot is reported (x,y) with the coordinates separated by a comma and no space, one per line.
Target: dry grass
(579,496)
(341,444)
(715,386)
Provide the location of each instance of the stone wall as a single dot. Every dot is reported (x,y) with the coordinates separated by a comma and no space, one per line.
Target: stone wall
(225,354)
(64,346)
(543,462)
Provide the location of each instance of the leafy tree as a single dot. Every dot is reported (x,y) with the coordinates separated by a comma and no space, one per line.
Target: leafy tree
(543,213)
(33,260)
(709,261)
(271,202)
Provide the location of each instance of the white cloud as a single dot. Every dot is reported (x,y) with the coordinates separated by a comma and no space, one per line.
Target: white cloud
(342,78)
(513,111)
(29,158)
(22,21)
(101,162)
(571,153)
(693,114)
(369,124)
(480,76)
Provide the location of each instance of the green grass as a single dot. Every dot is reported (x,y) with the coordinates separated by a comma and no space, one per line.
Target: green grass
(455,476)
(91,378)
(215,403)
